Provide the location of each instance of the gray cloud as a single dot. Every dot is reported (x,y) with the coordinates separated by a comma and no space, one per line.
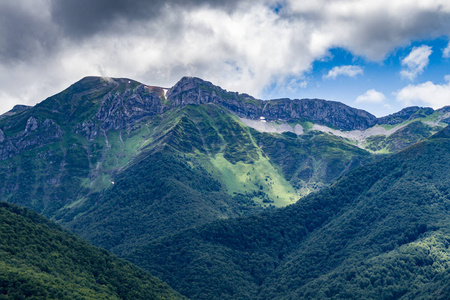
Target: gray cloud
(25,32)
(82,18)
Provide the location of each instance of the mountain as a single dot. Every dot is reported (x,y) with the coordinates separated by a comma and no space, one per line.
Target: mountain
(380,232)
(74,144)
(207,166)
(127,159)
(196,91)
(71,147)
(127,165)
(40,260)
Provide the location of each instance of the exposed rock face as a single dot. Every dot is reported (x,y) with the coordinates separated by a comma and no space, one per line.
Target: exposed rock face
(196,91)
(120,103)
(117,110)
(35,134)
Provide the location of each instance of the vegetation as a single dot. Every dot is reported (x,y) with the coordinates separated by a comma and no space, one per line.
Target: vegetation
(160,194)
(53,174)
(202,165)
(380,232)
(191,194)
(39,260)
(410,134)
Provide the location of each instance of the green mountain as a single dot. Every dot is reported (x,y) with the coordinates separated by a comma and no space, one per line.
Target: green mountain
(40,260)
(63,157)
(71,147)
(380,232)
(129,166)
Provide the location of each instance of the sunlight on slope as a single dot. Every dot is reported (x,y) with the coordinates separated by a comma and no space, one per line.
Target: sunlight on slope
(259,179)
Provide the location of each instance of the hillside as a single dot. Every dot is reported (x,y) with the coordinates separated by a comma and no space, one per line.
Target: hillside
(379,232)
(40,260)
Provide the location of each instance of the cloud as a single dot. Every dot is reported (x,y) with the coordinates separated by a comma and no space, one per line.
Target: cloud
(45,45)
(26,31)
(350,71)
(83,18)
(416,62)
(446,51)
(371,96)
(428,94)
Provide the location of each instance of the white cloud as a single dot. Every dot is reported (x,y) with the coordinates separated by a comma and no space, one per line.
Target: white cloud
(350,71)
(446,51)
(371,96)
(416,62)
(428,94)
(244,47)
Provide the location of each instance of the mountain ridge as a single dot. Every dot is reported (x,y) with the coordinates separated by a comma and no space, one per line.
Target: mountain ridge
(193,90)
(89,132)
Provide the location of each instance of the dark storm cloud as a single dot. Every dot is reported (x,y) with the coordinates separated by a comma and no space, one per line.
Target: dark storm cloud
(30,29)
(24,34)
(82,18)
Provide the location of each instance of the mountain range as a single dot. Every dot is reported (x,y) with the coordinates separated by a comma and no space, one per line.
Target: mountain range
(224,195)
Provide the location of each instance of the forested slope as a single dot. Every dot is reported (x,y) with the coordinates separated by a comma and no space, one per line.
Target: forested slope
(40,260)
(382,231)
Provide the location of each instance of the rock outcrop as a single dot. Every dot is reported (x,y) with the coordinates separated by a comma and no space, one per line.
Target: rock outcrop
(35,134)
(121,109)
(190,90)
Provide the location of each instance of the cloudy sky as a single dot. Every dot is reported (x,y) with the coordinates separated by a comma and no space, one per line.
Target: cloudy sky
(378,55)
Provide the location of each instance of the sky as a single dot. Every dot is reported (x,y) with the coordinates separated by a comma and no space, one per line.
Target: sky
(377,55)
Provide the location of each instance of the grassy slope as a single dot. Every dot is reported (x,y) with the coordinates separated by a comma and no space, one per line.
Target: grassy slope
(39,260)
(160,195)
(273,169)
(380,232)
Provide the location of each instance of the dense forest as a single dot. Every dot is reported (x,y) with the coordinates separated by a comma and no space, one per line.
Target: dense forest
(40,260)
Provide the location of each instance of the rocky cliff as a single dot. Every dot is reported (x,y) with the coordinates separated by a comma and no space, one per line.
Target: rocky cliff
(190,90)
(35,134)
